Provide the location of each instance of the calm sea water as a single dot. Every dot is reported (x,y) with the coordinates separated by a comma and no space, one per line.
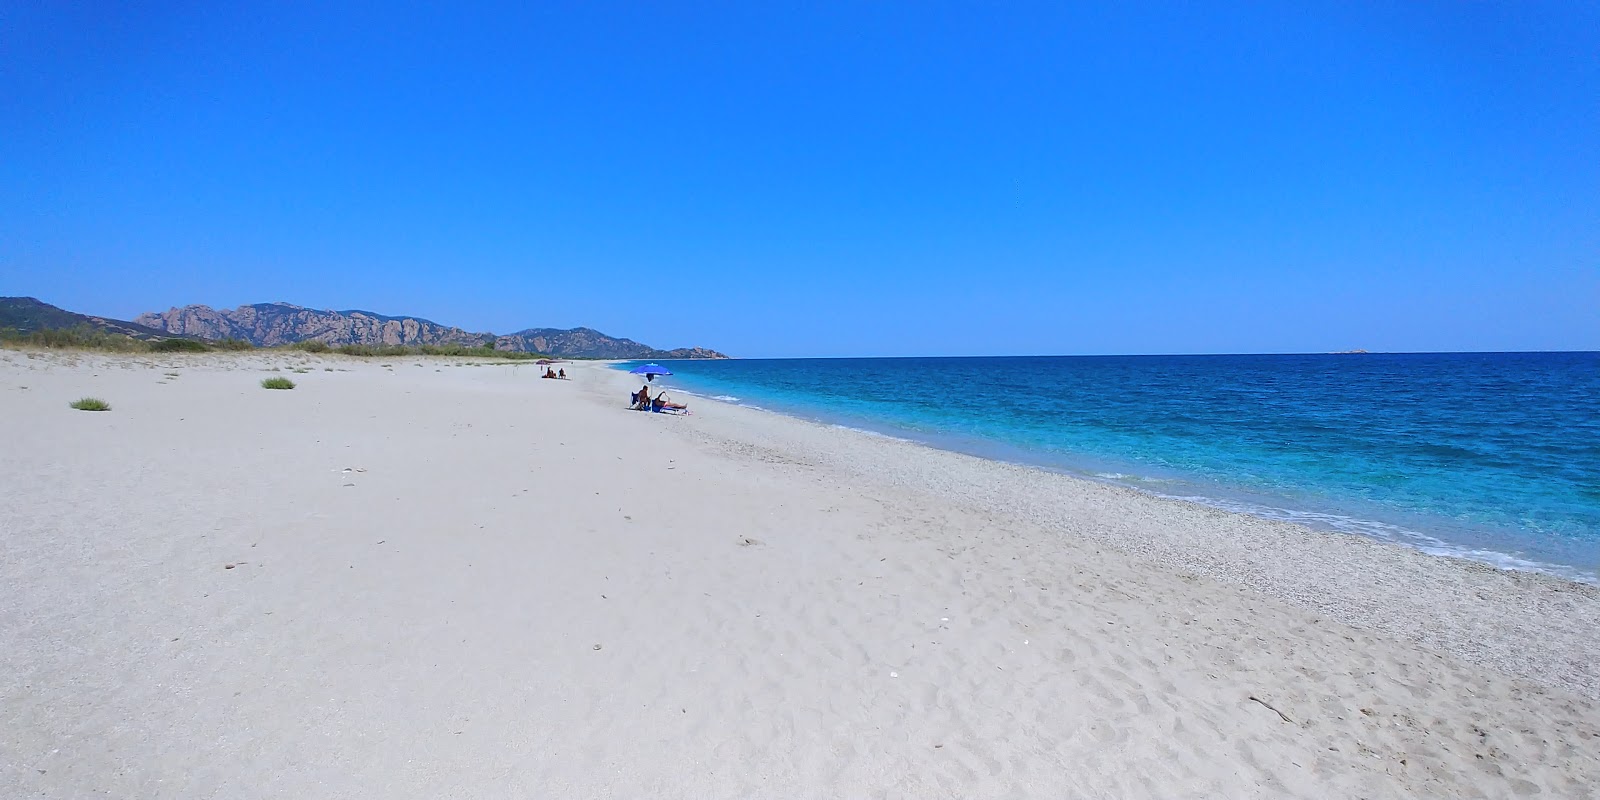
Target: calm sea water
(1492,456)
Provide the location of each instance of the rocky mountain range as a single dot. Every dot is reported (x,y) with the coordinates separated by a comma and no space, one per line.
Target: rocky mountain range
(271,324)
(274,324)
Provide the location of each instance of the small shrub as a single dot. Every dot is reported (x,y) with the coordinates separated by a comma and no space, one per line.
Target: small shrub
(373,350)
(311,346)
(92,404)
(277,383)
(178,346)
(233,344)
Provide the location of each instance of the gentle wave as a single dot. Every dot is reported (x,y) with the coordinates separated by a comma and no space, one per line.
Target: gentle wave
(1383,531)
(724,398)
(1122,477)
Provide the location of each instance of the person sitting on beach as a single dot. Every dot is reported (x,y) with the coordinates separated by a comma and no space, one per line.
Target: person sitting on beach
(562,373)
(641,398)
(662,403)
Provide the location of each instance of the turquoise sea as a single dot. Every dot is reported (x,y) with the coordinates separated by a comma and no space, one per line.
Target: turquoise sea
(1490,456)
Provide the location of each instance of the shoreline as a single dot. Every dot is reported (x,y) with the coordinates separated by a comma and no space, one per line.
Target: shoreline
(418,578)
(1376,583)
(1411,534)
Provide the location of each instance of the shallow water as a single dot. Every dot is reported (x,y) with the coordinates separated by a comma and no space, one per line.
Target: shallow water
(1492,456)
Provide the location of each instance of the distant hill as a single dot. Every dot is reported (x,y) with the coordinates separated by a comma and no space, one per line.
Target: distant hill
(31,315)
(271,324)
(590,343)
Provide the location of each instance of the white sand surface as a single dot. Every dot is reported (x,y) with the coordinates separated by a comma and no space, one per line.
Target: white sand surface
(459,581)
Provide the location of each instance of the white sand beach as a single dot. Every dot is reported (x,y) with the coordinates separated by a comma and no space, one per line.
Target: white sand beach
(434,578)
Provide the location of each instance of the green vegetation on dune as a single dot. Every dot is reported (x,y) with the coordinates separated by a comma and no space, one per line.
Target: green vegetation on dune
(79,338)
(277,383)
(91,404)
(178,346)
(85,337)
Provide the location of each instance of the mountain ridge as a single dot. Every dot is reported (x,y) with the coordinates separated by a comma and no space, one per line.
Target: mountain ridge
(273,324)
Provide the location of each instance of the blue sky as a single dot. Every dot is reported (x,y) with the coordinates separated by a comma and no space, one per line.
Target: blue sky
(774,179)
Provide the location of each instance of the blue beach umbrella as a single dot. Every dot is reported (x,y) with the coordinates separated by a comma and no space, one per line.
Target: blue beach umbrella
(650,371)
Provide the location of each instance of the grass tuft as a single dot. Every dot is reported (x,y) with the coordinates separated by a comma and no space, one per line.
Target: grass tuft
(277,383)
(91,404)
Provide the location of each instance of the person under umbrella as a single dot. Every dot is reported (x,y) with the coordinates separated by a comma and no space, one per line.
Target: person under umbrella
(649,371)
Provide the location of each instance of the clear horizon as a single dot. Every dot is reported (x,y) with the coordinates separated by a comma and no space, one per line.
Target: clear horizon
(833,181)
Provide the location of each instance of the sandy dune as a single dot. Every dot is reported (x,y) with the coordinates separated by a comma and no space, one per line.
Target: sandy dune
(457,581)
